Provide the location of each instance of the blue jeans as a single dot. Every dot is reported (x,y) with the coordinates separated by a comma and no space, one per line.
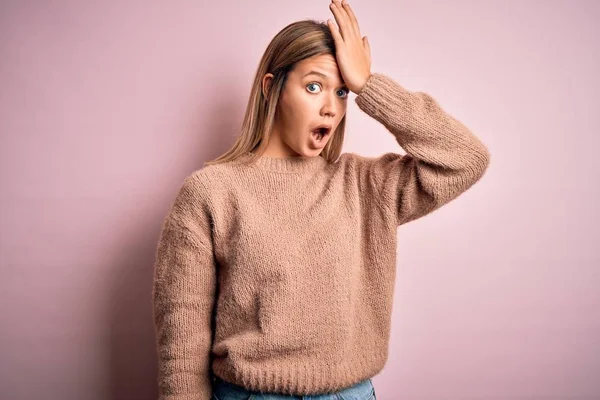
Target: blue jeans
(223,390)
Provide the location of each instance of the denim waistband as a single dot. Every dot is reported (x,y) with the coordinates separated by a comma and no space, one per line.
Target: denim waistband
(361,389)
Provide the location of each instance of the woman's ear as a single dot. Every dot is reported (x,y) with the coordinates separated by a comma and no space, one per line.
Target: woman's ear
(266,83)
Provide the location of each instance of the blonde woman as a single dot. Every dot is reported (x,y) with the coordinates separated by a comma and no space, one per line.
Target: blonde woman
(276,264)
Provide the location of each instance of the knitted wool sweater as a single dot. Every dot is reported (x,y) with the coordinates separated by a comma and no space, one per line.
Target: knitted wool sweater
(279,276)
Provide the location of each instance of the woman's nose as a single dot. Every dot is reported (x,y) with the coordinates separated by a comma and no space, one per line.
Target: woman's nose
(328,107)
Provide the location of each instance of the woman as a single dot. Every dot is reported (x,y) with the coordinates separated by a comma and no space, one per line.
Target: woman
(276,264)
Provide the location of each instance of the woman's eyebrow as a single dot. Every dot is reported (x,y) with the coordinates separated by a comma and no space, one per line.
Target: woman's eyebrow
(322,75)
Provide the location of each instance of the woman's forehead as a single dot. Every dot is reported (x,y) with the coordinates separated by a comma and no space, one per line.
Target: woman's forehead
(328,71)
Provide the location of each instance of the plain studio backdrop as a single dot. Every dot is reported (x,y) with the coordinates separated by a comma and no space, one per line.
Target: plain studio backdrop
(105,106)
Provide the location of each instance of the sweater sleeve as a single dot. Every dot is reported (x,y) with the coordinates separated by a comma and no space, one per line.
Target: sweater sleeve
(183,294)
(443,158)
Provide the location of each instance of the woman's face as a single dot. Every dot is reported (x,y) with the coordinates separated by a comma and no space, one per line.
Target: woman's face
(314,94)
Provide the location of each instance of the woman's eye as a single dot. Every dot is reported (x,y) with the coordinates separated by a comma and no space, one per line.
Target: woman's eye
(312,84)
(344,91)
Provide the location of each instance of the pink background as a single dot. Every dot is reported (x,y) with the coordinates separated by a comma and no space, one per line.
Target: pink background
(106,106)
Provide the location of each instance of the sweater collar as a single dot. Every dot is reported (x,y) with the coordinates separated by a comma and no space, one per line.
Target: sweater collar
(288,164)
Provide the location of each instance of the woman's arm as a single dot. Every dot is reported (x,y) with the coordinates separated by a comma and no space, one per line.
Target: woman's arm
(443,157)
(183,297)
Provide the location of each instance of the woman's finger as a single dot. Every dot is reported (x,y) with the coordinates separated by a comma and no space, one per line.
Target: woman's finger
(341,17)
(337,37)
(351,17)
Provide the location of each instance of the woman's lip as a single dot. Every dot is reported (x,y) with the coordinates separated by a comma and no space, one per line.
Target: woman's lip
(325,131)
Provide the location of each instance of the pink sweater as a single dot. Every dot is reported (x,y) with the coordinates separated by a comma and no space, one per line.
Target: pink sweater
(279,277)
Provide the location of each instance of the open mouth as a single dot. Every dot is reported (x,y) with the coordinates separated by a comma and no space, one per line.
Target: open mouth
(321,132)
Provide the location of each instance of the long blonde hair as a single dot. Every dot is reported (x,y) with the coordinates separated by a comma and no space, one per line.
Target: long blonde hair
(294,43)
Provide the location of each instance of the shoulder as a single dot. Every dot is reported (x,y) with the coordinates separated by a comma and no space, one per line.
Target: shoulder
(364,163)
(203,177)
(210,181)
(354,158)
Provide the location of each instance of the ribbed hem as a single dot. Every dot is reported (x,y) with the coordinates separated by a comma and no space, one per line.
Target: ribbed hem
(301,378)
(287,164)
